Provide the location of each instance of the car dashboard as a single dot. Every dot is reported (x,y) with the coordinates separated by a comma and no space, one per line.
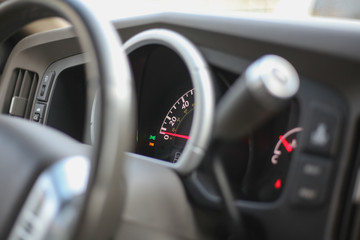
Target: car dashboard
(293,176)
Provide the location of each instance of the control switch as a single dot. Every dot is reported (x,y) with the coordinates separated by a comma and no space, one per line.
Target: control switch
(39,112)
(322,130)
(46,82)
(312,176)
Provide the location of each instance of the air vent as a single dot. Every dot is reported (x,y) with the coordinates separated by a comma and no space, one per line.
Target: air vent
(24,93)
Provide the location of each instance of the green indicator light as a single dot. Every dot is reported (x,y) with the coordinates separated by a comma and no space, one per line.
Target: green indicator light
(152,137)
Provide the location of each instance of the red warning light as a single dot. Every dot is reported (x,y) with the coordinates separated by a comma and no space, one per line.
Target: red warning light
(278,184)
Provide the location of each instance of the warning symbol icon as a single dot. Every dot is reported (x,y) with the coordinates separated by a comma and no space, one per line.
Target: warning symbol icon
(320,136)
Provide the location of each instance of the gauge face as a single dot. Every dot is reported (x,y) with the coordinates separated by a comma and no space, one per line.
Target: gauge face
(175,128)
(270,161)
(271,151)
(285,146)
(166,103)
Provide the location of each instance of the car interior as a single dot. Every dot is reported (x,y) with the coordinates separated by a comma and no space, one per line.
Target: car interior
(177,125)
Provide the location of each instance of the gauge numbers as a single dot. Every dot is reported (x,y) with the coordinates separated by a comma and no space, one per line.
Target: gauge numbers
(175,128)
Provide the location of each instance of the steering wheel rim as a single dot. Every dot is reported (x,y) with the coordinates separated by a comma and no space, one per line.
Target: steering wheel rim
(108,70)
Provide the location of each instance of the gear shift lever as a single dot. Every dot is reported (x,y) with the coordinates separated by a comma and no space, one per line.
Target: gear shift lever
(261,90)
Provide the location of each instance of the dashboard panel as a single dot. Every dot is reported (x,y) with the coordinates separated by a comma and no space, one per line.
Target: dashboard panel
(291,177)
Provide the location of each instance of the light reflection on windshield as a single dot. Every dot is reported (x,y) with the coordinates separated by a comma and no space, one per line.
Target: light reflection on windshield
(287,8)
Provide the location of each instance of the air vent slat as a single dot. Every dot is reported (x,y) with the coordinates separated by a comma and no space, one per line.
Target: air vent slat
(24,93)
(19,80)
(26,85)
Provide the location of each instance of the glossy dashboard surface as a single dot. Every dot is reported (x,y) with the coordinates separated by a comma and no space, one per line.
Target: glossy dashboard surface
(296,165)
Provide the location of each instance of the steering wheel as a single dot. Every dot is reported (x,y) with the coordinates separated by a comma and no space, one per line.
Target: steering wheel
(53,187)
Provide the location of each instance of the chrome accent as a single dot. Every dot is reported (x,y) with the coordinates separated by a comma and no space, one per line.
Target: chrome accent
(53,205)
(272,78)
(204,94)
(262,89)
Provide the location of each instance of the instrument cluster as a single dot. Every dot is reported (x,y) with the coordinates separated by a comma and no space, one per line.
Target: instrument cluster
(256,165)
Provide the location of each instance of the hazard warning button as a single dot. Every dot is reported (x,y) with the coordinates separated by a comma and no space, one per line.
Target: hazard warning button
(322,130)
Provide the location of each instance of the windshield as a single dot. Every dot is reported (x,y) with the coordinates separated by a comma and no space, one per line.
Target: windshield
(347,9)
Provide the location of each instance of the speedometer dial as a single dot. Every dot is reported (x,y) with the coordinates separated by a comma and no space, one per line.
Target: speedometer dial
(175,128)
(167,68)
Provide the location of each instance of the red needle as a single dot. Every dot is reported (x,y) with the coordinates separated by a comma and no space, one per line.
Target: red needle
(287,145)
(176,135)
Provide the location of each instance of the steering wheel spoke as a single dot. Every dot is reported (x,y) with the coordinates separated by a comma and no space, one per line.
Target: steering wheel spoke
(25,153)
(50,211)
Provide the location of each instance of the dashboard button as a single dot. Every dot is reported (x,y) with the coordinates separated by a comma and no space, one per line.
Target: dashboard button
(36,117)
(46,82)
(42,90)
(312,181)
(39,112)
(322,130)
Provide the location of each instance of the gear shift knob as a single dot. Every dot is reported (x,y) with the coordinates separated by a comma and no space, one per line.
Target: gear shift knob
(265,86)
